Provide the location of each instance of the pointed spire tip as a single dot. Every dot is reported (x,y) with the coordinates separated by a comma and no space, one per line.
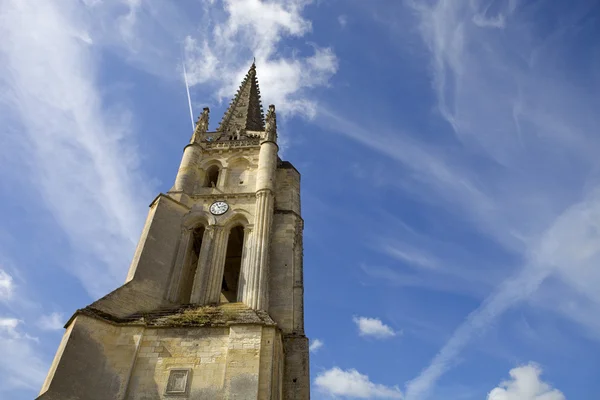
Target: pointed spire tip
(245,110)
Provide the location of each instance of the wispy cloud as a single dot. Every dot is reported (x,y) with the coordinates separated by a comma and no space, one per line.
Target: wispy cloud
(433,175)
(315,345)
(541,140)
(6,285)
(411,256)
(52,322)
(217,44)
(525,384)
(373,327)
(416,258)
(354,385)
(20,364)
(79,153)
(511,292)
(520,167)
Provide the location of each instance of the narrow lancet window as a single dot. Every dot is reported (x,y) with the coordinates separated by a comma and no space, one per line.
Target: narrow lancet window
(233,264)
(212,176)
(189,270)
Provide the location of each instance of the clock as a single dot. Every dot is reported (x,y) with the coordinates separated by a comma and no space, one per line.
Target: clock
(219,208)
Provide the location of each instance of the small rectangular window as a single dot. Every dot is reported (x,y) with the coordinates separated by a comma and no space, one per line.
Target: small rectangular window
(178,381)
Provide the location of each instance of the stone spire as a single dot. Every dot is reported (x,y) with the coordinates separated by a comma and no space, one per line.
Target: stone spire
(245,111)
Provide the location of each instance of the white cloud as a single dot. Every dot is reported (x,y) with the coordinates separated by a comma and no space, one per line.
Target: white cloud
(199,72)
(343,20)
(353,385)
(6,285)
(52,322)
(509,293)
(525,384)
(73,141)
(373,327)
(8,325)
(20,365)
(263,23)
(228,34)
(254,28)
(570,248)
(315,345)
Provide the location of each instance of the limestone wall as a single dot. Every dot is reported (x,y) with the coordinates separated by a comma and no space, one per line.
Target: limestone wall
(95,362)
(105,355)
(287,192)
(285,275)
(101,360)
(281,274)
(148,278)
(201,350)
(296,382)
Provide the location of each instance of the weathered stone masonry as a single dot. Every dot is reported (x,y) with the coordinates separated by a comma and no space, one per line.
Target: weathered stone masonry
(213,304)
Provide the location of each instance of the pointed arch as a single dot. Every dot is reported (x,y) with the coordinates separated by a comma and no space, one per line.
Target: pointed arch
(232,269)
(212,176)
(232,279)
(193,228)
(211,170)
(237,216)
(238,158)
(197,217)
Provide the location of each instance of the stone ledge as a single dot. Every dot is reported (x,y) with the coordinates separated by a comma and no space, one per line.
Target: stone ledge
(190,315)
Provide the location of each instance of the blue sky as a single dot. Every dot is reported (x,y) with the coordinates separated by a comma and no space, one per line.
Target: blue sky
(450,177)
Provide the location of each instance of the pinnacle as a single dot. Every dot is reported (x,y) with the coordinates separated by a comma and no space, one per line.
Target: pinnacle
(245,111)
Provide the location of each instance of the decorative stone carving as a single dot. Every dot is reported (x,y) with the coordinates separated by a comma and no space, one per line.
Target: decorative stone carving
(271,124)
(201,126)
(230,144)
(203,120)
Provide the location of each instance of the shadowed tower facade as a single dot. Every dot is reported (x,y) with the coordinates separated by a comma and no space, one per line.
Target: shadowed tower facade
(212,307)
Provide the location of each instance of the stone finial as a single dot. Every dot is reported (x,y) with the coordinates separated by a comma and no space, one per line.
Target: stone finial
(201,126)
(203,120)
(271,124)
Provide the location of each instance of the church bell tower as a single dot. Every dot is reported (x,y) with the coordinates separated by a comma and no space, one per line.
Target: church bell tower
(212,307)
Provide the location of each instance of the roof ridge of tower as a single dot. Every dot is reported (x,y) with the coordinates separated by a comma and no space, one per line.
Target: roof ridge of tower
(245,111)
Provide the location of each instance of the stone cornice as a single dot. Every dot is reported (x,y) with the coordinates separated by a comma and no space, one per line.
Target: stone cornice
(223,195)
(231,144)
(166,196)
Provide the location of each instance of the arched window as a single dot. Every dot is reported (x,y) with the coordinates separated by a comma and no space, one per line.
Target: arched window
(233,265)
(189,270)
(212,176)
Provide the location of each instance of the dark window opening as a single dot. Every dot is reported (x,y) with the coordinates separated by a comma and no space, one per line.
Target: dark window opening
(189,272)
(212,176)
(233,265)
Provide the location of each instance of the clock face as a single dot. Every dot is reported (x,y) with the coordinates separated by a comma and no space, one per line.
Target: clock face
(219,207)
